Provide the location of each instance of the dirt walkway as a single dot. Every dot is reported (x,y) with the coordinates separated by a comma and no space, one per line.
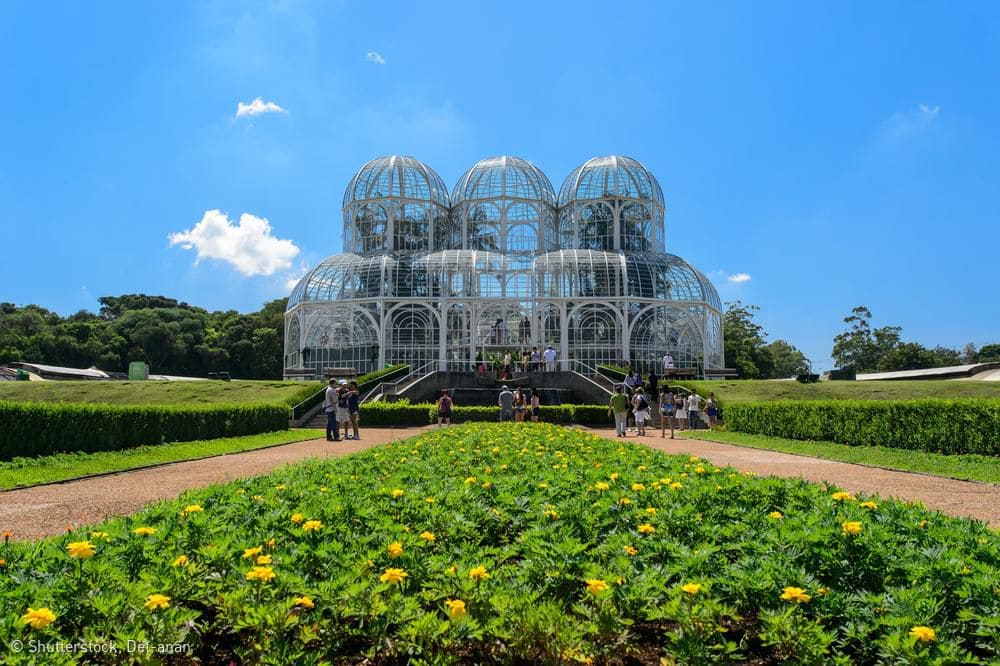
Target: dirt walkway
(956,498)
(41,511)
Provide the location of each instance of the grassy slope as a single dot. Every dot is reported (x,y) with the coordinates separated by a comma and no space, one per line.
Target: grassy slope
(23,472)
(751,390)
(967,467)
(159,392)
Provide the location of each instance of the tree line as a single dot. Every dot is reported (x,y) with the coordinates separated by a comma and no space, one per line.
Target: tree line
(173,337)
(861,348)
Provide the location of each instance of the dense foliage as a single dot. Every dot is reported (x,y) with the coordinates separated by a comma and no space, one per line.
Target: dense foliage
(749,353)
(39,428)
(942,426)
(867,349)
(172,337)
(527,543)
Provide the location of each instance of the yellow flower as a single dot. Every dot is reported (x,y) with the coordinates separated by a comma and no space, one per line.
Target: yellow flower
(614,477)
(776,515)
(646,528)
(263,574)
(429,500)
(456,608)
(823,591)
(304,602)
(869,505)
(311,525)
(925,634)
(851,527)
(543,485)
(192,508)
(144,531)
(842,497)
(323,489)
(922,524)
(487,484)
(99,535)
(181,561)
(428,536)
(38,619)
(395,549)
(393,576)
(280,486)
(666,480)
(699,470)
(625,501)
(252,552)
(650,511)
(595,586)
(297,518)
(263,559)
(629,550)
(638,486)
(676,485)
(694,459)
(551,514)
(155,601)
(452,570)
(691,588)
(796,594)
(398,492)
(470,480)
(81,550)
(478,573)
(270,542)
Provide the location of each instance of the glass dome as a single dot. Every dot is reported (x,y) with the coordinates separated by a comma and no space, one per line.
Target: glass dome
(504,204)
(610,176)
(395,203)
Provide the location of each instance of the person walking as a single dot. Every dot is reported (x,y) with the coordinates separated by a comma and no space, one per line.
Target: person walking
(536,408)
(666,412)
(640,410)
(618,407)
(694,408)
(343,407)
(550,359)
(445,403)
(712,410)
(330,409)
(680,412)
(506,402)
(354,408)
(520,405)
(653,385)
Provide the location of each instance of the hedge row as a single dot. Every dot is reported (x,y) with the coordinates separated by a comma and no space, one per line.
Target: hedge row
(940,426)
(38,428)
(404,413)
(309,398)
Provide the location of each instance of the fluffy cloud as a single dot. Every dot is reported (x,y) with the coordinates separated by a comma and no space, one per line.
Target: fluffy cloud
(739,278)
(257,107)
(248,247)
(375,57)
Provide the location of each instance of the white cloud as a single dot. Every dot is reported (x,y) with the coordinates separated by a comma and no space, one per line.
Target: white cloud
(293,278)
(257,107)
(739,278)
(929,110)
(904,124)
(248,247)
(375,57)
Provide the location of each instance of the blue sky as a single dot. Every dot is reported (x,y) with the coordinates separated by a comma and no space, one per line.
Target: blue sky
(837,153)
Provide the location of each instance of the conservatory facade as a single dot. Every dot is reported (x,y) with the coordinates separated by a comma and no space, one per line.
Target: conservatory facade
(502,264)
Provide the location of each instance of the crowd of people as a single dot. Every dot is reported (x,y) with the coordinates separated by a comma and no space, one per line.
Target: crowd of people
(632,409)
(342,406)
(523,361)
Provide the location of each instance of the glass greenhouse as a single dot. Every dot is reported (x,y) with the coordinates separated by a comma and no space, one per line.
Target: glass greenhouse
(502,264)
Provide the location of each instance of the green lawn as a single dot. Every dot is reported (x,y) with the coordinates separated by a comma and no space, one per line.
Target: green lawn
(23,472)
(968,467)
(158,392)
(748,390)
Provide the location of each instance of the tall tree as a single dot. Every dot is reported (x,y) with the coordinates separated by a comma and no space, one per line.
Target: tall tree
(788,360)
(745,348)
(860,347)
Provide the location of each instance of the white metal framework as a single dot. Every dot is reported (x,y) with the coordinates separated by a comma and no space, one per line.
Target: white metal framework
(502,265)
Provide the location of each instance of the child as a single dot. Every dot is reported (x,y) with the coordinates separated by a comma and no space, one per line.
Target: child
(444,408)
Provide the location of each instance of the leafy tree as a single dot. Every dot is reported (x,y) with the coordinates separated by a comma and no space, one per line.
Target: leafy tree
(861,347)
(788,360)
(907,356)
(989,352)
(745,349)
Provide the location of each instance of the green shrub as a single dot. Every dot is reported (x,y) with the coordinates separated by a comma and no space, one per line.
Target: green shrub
(313,394)
(400,413)
(592,415)
(941,426)
(37,428)
(403,413)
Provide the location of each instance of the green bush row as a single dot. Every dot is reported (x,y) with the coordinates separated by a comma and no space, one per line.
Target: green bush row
(36,428)
(941,426)
(311,396)
(403,413)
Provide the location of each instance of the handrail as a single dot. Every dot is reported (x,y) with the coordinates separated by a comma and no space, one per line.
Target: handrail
(299,410)
(420,373)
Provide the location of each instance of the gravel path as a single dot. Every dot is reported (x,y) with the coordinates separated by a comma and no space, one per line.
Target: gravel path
(41,511)
(956,498)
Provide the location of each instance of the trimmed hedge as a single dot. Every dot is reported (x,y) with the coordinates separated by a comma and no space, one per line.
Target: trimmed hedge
(307,399)
(938,426)
(37,428)
(403,413)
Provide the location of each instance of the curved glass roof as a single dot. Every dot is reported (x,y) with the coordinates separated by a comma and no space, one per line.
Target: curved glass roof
(503,177)
(610,176)
(398,177)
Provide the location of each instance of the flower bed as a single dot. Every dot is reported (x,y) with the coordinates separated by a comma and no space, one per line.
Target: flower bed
(534,543)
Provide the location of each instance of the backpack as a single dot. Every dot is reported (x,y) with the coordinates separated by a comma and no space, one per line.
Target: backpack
(643,405)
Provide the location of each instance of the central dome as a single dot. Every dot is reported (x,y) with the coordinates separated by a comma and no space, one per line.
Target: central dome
(610,176)
(504,177)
